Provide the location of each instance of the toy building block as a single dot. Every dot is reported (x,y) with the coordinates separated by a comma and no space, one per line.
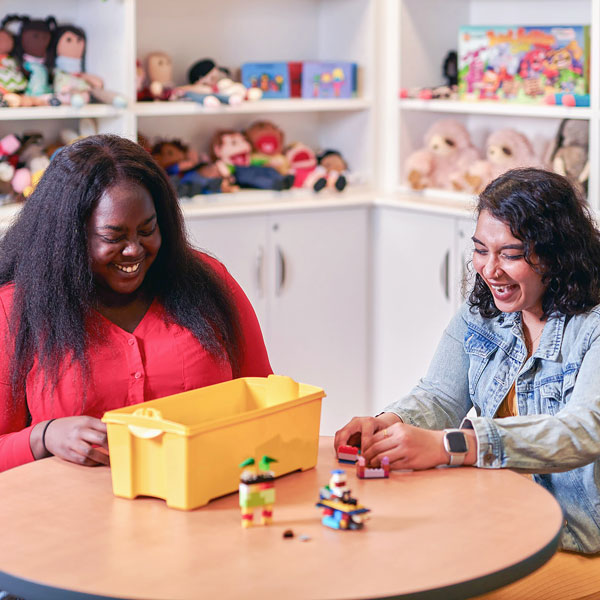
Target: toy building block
(257,489)
(340,509)
(365,472)
(347,454)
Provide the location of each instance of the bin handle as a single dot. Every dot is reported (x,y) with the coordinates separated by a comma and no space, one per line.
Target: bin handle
(146,432)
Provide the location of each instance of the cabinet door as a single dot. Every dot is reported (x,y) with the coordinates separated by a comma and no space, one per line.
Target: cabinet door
(239,243)
(413,296)
(318,309)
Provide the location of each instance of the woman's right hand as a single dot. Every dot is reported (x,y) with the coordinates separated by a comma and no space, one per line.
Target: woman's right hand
(74,438)
(360,430)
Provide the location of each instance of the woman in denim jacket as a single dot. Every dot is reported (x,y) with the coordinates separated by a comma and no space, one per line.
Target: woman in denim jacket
(524,351)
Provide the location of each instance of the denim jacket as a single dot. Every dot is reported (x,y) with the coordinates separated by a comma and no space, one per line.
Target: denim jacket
(556,436)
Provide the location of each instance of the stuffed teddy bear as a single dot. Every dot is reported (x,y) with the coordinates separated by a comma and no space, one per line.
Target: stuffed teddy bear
(505,149)
(568,155)
(447,154)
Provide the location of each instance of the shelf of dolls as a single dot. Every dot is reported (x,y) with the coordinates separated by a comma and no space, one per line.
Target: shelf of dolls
(293,105)
(60,112)
(495,109)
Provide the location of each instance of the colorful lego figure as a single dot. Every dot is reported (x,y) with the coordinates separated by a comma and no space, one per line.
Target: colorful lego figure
(365,472)
(340,509)
(257,489)
(347,454)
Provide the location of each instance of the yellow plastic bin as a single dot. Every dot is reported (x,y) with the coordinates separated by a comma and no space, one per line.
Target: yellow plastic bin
(186,448)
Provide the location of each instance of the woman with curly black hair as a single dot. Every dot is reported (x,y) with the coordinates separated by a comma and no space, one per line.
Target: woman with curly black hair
(104,303)
(524,352)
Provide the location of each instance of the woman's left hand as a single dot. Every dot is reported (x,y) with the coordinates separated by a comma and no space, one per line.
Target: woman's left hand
(407,447)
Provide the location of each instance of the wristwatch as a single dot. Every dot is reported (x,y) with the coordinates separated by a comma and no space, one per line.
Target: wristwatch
(456,445)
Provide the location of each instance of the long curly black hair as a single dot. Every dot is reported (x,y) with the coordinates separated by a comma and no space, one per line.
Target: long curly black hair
(45,255)
(545,212)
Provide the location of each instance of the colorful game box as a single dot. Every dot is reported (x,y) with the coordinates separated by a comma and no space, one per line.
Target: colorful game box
(272,78)
(328,79)
(524,64)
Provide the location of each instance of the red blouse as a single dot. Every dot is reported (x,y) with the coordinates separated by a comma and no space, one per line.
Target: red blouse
(156,360)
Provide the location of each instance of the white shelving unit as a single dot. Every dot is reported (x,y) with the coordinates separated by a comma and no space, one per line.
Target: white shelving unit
(427,29)
(231,32)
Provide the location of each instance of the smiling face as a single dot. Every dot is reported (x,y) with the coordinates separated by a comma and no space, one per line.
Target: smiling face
(499,258)
(123,240)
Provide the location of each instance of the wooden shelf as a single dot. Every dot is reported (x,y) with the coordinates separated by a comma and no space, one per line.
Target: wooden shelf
(59,112)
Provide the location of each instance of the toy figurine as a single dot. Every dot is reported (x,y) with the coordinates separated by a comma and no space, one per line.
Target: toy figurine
(267,142)
(340,509)
(363,471)
(31,51)
(505,149)
(231,152)
(210,86)
(72,84)
(448,153)
(257,490)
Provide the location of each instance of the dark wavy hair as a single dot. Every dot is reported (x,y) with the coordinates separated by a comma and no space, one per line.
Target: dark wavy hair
(45,254)
(546,212)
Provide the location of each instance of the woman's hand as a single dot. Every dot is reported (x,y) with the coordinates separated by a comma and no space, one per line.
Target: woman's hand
(74,438)
(359,431)
(407,447)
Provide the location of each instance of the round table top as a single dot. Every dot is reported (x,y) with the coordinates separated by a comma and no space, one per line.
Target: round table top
(443,533)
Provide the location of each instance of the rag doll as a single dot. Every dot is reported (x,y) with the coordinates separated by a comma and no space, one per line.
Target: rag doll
(13,82)
(32,53)
(335,169)
(568,155)
(230,150)
(72,85)
(267,143)
(188,174)
(210,86)
(447,155)
(505,149)
(305,167)
(156,82)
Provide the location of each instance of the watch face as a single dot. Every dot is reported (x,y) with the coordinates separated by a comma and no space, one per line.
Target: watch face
(456,441)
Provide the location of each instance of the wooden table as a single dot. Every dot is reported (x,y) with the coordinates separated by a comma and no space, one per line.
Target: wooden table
(443,533)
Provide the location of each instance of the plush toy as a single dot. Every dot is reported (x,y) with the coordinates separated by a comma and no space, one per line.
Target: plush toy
(156,81)
(447,154)
(267,142)
(568,155)
(335,168)
(13,82)
(32,53)
(189,175)
(305,167)
(505,149)
(210,86)
(230,150)
(72,85)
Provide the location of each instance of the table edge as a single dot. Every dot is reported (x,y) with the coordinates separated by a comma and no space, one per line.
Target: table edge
(466,589)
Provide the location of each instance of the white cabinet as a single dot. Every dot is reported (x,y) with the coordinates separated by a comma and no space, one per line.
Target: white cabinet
(307,275)
(419,263)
